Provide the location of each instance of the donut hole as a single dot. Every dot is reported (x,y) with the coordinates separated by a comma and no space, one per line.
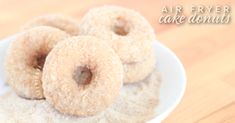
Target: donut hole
(121,26)
(40,60)
(82,76)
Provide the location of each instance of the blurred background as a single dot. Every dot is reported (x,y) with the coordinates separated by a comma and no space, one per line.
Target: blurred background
(206,50)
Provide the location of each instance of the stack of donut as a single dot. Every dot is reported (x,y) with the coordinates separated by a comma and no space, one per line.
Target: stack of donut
(82,68)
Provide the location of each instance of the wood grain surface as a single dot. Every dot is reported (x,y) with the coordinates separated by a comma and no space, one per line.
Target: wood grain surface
(207,51)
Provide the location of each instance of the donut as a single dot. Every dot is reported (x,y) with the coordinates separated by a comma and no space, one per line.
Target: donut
(135,72)
(129,33)
(25,59)
(99,78)
(61,22)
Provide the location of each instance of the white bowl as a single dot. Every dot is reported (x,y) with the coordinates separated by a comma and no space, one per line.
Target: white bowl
(172,75)
(173,83)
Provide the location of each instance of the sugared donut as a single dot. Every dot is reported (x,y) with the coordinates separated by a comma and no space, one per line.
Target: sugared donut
(135,72)
(129,33)
(82,76)
(26,57)
(61,22)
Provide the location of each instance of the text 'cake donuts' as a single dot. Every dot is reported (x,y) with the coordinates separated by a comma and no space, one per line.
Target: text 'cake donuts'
(26,57)
(82,76)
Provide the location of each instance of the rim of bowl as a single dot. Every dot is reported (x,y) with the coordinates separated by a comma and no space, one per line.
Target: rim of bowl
(160,117)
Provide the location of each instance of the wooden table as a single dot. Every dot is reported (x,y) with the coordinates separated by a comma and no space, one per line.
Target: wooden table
(207,51)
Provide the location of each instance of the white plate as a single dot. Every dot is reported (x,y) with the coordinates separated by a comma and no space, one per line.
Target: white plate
(172,74)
